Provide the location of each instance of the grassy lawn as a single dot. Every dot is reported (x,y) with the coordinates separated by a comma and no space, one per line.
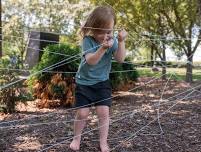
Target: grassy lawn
(178,73)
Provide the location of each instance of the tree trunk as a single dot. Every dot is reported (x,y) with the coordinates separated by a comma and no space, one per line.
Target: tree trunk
(164,63)
(10,103)
(189,69)
(199,7)
(152,55)
(1,53)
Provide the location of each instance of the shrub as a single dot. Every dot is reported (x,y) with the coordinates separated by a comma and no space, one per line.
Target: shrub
(132,74)
(117,77)
(171,64)
(55,89)
(127,72)
(10,95)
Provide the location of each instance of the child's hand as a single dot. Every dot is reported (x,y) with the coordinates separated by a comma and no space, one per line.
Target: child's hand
(108,43)
(122,35)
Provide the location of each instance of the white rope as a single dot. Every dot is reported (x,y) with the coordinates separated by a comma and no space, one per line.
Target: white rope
(159,115)
(112,97)
(59,143)
(80,106)
(161,98)
(85,133)
(131,63)
(57,33)
(57,42)
(179,94)
(50,67)
(55,122)
(8,122)
(135,134)
(12,83)
(161,37)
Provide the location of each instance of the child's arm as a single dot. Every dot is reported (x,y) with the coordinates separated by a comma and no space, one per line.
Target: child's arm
(120,53)
(94,58)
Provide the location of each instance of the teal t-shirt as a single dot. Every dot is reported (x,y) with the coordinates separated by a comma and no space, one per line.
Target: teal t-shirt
(92,74)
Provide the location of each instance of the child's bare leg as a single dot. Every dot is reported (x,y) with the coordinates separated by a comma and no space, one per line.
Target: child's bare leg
(103,115)
(79,124)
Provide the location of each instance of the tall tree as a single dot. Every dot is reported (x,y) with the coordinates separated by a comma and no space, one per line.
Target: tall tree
(199,8)
(144,23)
(1,53)
(20,16)
(182,18)
(171,23)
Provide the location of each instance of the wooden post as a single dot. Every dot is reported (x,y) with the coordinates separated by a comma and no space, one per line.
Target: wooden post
(35,45)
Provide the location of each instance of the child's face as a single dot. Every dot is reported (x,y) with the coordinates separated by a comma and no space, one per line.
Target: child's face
(101,35)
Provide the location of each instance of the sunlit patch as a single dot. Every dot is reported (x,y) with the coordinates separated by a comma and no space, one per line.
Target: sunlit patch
(26,143)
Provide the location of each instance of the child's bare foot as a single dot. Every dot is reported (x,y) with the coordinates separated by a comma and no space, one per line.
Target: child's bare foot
(75,145)
(104,147)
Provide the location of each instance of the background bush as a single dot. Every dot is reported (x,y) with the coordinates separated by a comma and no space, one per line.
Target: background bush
(12,94)
(55,87)
(121,76)
(171,64)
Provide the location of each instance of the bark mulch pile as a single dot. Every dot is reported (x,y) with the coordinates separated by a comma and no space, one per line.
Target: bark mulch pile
(153,117)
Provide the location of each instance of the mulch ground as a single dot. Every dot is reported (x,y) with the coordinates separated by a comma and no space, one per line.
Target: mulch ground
(139,122)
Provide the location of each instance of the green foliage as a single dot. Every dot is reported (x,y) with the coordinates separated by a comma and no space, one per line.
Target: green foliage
(163,23)
(52,85)
(174,73)
(9,96)
(116,78)
(49,58)
(21,16)
(124,73)
(133,74)
(169,64)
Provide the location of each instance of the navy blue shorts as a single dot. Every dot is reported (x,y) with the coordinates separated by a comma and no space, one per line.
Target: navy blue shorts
(93,95)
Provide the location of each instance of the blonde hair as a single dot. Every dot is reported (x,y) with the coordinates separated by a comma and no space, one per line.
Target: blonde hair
(98,20)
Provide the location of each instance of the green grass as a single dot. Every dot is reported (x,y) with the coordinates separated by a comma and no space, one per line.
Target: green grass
(178,73)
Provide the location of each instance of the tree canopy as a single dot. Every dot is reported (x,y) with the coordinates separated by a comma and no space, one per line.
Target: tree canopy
(156,25)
